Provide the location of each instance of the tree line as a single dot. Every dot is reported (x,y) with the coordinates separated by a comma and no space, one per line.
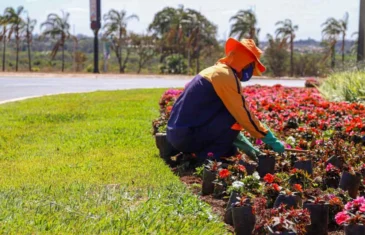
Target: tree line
(179,39)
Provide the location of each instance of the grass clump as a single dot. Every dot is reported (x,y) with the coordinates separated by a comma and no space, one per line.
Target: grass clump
(344,86)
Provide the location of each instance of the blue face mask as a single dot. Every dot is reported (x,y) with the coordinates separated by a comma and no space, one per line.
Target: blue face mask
(247,72)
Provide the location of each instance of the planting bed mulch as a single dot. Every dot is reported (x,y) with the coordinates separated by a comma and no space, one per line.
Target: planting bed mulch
(326,178)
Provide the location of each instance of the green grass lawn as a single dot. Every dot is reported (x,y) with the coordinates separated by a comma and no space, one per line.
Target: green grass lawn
(87,164)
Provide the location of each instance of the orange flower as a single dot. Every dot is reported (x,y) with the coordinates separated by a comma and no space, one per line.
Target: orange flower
(269,178)
(298,187)
(335,201)
(224,173)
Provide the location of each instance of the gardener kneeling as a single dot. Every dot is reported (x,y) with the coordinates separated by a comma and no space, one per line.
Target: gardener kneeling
(209,114)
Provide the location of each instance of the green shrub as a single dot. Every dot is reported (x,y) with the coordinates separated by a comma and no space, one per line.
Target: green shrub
(89,68)
(174,64)
(276,58)
(36,69)
(309,65)
(345,86)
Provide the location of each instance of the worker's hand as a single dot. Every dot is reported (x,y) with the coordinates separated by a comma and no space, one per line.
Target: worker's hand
(273,142)
(244,145)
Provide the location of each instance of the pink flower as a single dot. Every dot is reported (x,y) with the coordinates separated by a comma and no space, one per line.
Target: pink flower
(362,208)
(259,142)
(359,200)
(349,205)
(210,154)
(342,217)
(329,167)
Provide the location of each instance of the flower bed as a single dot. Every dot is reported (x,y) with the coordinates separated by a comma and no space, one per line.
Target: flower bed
(322,180)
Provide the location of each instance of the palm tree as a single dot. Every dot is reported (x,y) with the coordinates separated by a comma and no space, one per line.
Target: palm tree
(3,36)
(344,25)
(28,30)
(200,34)
(287,31)
(116,29)
(244,25)
(16,22)
(57,26)
(331,31)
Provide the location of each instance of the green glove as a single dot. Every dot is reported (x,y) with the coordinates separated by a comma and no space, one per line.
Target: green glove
(243,144)
(273,142)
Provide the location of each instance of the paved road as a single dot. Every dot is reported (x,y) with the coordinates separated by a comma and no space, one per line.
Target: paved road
(16,88)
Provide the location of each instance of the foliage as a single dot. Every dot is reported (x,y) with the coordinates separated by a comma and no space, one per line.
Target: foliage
(28,29)
(276,56)
(344,86)
(283,220)
(116,31)
(245,25)
(353,213)
(16,24)
(174,64)
(57,26)
(331,31)
(287,32)
(166,102)
(145,49)
(310,64)
(183,31)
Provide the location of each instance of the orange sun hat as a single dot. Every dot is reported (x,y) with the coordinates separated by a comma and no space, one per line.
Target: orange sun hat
(246,51)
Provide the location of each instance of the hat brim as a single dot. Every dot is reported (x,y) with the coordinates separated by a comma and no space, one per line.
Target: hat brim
(233,44)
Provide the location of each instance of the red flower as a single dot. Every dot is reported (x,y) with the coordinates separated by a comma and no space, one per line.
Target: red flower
(224,173)
(298,187)
(276,187)
(269,178)
(241,168)
(293,171)
(210,155)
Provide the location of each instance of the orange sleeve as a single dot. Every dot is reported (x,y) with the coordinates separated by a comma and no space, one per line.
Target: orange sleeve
(229,90)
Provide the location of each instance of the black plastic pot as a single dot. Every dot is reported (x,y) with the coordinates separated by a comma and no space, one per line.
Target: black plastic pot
(266,165)
(165,148)
(350,183)
(288,200)
(354,229)
(336,161)
(208,178)
(304,165)
(243,220)
(228,216)
(219,191)
(319,218)
(250,168)
(331,182)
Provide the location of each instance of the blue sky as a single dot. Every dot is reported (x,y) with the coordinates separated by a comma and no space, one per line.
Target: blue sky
(308,14)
